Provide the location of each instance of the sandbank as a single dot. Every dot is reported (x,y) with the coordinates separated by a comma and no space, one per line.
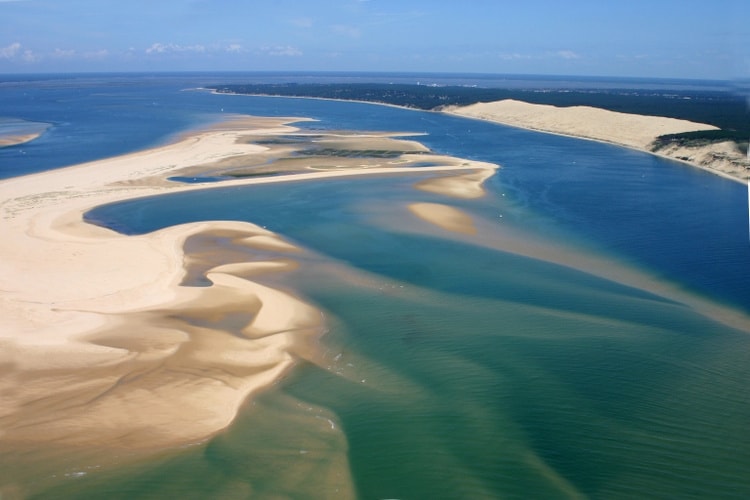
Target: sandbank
(15,139)
(15,131)
(103,342)
(624,129)
(444,216)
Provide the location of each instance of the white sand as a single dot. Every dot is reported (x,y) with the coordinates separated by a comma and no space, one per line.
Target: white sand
(636,131)
(99,343)
(630,130)
(444,216)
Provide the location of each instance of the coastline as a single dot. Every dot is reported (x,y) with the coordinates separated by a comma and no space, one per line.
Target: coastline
(722,158)
(610,127)
(374,103)
(103,346)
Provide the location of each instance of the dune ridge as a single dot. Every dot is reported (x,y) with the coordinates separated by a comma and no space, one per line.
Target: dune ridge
(624,129)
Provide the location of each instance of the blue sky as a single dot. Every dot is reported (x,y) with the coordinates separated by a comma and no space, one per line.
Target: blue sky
(655,38)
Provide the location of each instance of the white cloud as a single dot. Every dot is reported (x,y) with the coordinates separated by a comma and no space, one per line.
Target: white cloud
(281,50)
(164,48)
(63,54)
(158,48)
(234,47)
(30,56)
(568,54)
(10,51)
(514,56)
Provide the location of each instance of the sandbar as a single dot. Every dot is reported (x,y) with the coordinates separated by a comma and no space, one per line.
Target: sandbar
(104,343)
(15,139)
(15,131)
(624,129)
(444,216)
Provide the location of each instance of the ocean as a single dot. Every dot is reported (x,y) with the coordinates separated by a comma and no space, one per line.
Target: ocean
(454,367)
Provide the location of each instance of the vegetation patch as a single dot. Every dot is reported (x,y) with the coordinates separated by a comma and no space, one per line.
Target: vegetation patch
(702,138)
(722,109)
(351,153)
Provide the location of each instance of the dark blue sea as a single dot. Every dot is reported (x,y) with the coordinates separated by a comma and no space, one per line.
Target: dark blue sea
(472,371)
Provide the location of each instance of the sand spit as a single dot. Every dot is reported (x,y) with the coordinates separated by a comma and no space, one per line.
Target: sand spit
(466,186)
(630,130)
(143,342)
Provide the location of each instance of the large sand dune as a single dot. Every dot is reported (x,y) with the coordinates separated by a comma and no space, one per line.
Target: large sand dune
(630,130)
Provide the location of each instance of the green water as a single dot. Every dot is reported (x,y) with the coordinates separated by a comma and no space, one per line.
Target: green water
(456,371)
(451,369)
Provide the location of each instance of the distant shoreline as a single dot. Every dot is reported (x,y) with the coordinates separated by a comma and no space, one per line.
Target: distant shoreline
(721,158)
(360,101)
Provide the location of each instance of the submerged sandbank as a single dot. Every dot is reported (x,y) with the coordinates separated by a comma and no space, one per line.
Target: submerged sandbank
(14,131)
(16,139)
(102,341)
(624,129)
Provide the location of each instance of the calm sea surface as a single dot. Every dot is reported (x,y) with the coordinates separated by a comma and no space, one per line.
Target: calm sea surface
(455,369)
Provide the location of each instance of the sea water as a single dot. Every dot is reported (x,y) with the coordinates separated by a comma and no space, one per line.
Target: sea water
(453,368)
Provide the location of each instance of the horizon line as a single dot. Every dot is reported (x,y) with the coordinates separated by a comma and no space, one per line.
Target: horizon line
(375,73)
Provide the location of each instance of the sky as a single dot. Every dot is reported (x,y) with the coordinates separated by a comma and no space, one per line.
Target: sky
(632,38)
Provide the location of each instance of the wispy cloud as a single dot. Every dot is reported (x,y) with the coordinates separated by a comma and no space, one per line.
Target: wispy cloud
(63,53)
(16,52)
(281,50)
(10,51)
(514,56)
(235,48)
(30,56)
(165,48)
(568,54)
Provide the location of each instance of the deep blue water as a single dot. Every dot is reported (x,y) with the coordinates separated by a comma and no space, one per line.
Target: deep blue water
(489,374)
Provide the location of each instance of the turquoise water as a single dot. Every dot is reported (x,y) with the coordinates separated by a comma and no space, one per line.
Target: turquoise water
(467,372)
(454,368)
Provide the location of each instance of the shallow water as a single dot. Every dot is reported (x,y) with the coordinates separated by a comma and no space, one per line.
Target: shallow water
(461,371)
(455,368)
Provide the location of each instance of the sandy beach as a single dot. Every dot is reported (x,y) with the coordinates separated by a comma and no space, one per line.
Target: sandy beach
(629,130)
(102,344)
